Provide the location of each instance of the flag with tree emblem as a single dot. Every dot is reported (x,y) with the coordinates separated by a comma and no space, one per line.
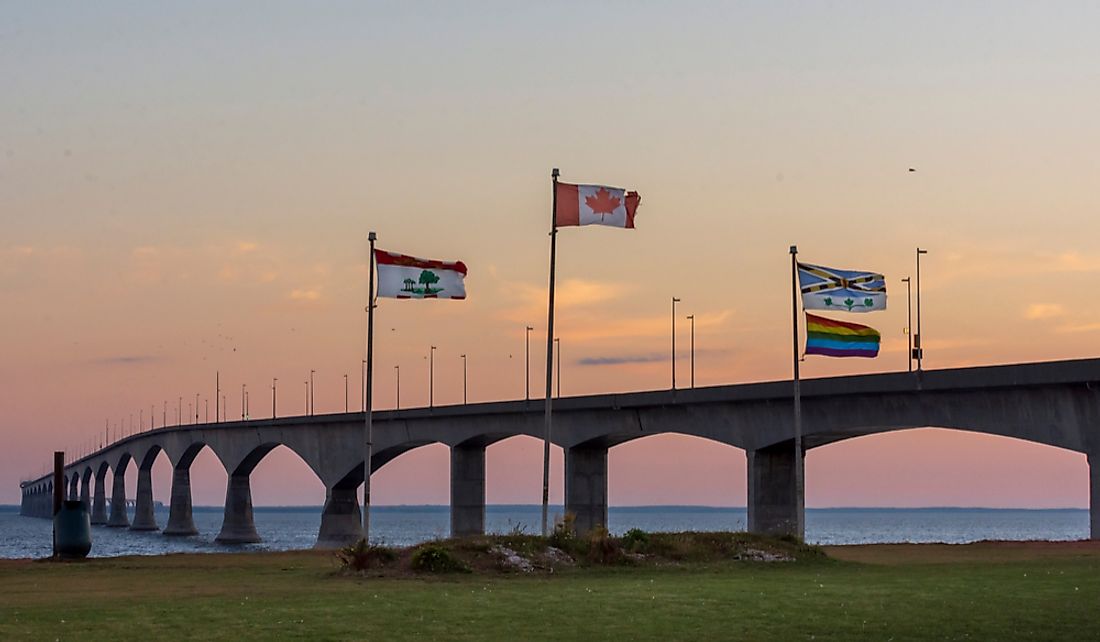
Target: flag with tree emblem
(842,290)
(407,277)
(595,205)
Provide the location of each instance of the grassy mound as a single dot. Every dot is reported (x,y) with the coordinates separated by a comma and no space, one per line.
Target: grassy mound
(519,553)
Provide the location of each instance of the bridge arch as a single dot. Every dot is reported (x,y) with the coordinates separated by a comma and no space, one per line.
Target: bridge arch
(938,466)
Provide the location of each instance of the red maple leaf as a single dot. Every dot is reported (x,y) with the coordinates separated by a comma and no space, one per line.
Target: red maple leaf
(602,203)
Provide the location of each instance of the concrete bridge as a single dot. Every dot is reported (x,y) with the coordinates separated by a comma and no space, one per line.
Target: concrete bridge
(1053,403)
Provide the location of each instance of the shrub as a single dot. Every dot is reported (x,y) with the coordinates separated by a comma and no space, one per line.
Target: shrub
(635,540)
(602,548)
(433,558)
(564,534)
(361,556)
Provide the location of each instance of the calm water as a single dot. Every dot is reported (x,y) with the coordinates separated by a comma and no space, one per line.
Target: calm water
(294,528)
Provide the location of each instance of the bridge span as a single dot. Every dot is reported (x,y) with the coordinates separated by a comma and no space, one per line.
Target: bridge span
(1054,403)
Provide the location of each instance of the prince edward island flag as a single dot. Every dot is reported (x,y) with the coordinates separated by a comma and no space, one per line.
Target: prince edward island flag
(841,290)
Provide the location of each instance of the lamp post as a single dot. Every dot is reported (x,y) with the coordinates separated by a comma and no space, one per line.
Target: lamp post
(909,323)
(206,410)
(527,362)
(179,412)
(397,370)
(196,407)
(431,377)
(243,386)
(557,356)
(691,317)
(918,349)
(464,379)
(345,392)
(306,384)
(312,394)
(674,302)
(274,382)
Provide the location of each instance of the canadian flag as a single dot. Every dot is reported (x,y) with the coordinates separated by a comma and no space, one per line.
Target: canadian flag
(595,205)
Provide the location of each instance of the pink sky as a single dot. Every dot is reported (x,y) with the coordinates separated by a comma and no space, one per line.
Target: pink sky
(185,192)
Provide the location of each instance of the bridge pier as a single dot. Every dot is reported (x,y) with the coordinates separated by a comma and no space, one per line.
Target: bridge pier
(86,492)
(237,524)
(1094,496)
(144,519)
(99,500)
(586,486)
(74,486)
(341,519)
(467,491)
(118,517)
(775,507)
(180,521)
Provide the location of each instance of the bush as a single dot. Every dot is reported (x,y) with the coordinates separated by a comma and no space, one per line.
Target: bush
(602,548)
(361,556)
(635,540)
(433,558)
(564,534)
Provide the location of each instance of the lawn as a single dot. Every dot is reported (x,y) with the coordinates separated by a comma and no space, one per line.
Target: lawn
(982,591)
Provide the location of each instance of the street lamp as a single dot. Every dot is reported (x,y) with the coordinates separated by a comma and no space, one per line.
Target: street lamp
(557,350)
(306,383)
(464,379)
(527,362)
(431,377)
(345,392)
(909,323)
(397,369)
(674,302)
(243,386)
(196,407)
(312,394)
(918,349)
(274,381)
(691,317)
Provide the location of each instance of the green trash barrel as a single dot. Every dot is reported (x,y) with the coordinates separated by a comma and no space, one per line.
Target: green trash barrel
(72,530)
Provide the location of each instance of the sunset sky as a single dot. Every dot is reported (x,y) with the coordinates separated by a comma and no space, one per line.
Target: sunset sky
(188,188)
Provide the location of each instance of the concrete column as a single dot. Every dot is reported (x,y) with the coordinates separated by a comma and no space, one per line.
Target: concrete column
(341,519)
(774,505)
(467,491)
(1094,497)
(144,519)
(586,486)
(86,494)
(74,486)
(118,502)
(99,501)
(237,524)
(180,521)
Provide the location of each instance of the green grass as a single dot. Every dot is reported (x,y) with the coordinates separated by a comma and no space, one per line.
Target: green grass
(984,591)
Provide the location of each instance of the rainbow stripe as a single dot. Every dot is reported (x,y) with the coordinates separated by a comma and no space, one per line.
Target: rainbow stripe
(840,339)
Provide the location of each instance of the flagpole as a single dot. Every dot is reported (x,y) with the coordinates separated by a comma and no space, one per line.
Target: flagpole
(549,354)
(367,400)
(799,486)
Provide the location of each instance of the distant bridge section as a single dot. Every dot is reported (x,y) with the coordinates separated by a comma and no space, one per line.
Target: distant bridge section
(1053,403)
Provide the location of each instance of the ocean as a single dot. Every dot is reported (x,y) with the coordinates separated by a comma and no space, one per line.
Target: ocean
(288,528)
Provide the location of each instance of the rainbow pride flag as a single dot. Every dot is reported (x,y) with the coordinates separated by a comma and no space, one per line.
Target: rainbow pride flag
(840,339)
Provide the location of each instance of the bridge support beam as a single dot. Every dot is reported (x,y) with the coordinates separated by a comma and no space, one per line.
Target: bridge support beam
(144,519)
(86,493)
(1094,496)
(180,521)
(586,486)
(775,507)
(237,524)
(118,517)
(99,501)
(467,491)
(341,519)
